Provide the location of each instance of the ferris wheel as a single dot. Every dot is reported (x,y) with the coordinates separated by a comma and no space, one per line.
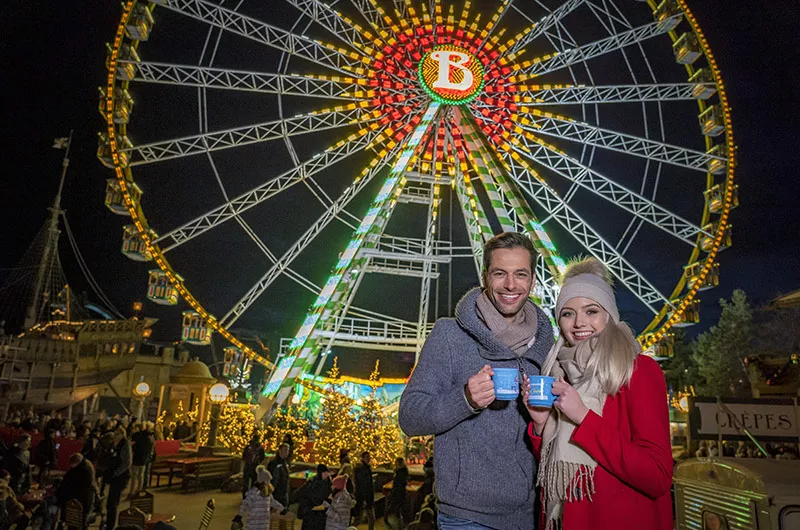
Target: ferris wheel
(312,147)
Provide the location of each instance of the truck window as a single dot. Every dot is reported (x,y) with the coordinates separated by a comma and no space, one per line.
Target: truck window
(789,517)
(714,521)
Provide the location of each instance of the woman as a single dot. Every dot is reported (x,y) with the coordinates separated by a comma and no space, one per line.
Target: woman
(605,460)
(258,501)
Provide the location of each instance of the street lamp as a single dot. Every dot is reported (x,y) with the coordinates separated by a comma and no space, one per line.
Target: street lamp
(217,394)
(141,391)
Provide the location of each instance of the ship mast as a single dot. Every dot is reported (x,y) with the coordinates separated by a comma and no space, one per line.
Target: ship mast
(50,250)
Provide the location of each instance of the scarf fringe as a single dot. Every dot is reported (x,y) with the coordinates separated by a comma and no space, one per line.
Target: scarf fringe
(565,482)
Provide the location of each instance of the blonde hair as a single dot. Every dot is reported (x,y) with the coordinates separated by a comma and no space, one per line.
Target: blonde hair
(614,352)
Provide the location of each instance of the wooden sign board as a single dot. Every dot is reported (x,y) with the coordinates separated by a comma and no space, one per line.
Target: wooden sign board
(774,420)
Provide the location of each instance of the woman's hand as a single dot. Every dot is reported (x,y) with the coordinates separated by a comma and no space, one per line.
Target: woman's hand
(538,415)
(569,401)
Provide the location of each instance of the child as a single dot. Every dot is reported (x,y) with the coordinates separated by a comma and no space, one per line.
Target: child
(258,501)
(338,517)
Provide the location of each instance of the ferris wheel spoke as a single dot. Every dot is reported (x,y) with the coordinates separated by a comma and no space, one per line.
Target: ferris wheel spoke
(254,197)
(592,242)
(250,134)
(516,44)
(575,131)
(301,46)
(336,208)
(343,28)
(370,14)
(499,13)
(558,60)
(242,80)
(581,95)
(569,168)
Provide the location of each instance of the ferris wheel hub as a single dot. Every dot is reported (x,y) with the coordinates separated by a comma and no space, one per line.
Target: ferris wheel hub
(451,75)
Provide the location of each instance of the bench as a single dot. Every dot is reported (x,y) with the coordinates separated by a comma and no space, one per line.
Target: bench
(207,471)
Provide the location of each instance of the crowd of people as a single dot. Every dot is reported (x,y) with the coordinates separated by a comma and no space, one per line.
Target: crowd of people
(115,451)
(330,500)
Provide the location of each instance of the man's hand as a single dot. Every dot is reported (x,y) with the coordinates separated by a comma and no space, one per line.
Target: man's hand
(480,388)
(569,401)
(538,415)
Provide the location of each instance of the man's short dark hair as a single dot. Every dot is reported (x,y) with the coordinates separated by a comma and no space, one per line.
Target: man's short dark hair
(508,240)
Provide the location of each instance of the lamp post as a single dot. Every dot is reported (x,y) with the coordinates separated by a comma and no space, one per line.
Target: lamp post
(141,391)
(217,394)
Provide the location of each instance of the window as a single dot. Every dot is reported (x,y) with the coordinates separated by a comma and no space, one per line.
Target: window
(789,518)
(714,521)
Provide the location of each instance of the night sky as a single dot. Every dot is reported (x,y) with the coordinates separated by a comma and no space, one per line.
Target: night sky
(53,57)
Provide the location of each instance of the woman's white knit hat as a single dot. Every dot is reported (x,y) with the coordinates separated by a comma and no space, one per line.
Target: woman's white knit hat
(588,286)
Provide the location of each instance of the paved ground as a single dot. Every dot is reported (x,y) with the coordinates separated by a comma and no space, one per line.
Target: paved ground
(188,508)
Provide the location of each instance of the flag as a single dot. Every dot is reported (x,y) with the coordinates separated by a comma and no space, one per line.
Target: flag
(61,143)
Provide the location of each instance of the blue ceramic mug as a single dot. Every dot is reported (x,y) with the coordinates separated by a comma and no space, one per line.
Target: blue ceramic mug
(506,383)
(541,394)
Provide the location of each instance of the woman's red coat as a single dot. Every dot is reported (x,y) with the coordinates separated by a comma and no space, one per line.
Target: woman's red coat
(631,443)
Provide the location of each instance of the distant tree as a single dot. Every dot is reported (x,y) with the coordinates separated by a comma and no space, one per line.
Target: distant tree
(721,350)
(681,369)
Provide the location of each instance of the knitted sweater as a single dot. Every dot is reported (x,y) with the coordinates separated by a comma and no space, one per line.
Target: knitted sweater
(485,470)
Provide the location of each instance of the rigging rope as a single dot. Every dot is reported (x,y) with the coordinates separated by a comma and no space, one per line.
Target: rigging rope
(87,273)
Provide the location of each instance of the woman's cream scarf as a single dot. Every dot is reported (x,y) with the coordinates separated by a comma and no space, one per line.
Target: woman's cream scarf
(565,470)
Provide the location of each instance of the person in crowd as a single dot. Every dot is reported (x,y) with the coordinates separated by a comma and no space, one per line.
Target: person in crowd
(13,510)
(279,468)
(103,463)
(17,461)
(252,456)
(605,460)
(258,501)
(78,483)
(365,491)
(429,476)
(143,445)
(485,471)
(311,498)
(47,453)
(91,446)
(429,502)
(287,439)
(118,475)
(344,457)
(347,471)
(396,503)
(158,431)
(338,509)
(424,521)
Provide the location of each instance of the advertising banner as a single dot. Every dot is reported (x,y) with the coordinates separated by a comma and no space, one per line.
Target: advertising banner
(766,419)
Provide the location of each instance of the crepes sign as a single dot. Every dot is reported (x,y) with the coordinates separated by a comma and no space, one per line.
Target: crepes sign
(766,419)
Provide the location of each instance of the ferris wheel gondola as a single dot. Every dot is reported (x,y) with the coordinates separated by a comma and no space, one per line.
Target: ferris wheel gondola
(595,127)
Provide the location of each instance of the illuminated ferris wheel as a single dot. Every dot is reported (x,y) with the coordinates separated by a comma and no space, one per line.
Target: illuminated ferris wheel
(306,150)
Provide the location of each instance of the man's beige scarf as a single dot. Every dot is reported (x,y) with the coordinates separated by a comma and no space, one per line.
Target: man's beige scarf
(517,334)
(565,470)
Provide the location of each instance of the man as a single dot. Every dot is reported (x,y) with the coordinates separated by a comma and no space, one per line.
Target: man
(78,483)
(311,498)
(17,461)
(365,491)
(47,452)
(252,456)
(485,472)
(279,467)
(142,451)
(118,475)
